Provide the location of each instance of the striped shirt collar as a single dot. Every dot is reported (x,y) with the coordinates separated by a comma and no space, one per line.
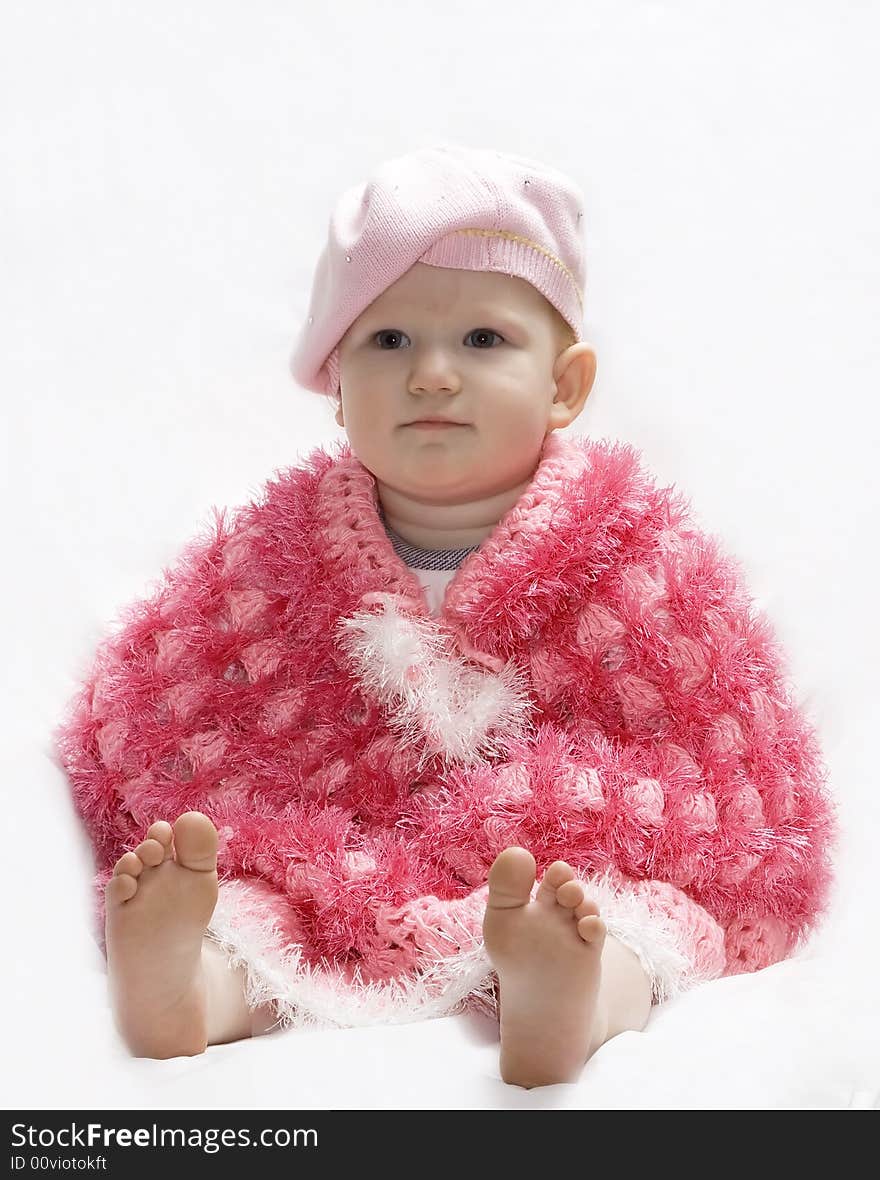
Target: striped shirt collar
(425,559)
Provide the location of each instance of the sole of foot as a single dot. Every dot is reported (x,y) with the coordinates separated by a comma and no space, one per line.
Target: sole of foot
(157,907)
(547,953)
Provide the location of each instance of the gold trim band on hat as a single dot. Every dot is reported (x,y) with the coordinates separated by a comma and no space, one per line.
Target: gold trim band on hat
(505,233)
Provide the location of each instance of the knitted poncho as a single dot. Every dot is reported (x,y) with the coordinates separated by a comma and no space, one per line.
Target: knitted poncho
(597,687)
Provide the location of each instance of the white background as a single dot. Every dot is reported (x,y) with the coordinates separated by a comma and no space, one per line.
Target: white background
(168,173)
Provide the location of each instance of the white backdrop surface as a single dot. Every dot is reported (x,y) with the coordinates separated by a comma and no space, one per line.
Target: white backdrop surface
(169,170)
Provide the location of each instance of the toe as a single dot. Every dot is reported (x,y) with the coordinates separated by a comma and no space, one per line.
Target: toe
(554,876)
(591,929)
(151,852)
(119,889)
(129,863)
(585,908)
(511,878)
(195,842)
(570,894)
(161,831)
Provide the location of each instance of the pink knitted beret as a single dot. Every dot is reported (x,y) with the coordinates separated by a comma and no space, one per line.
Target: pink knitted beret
(444,205)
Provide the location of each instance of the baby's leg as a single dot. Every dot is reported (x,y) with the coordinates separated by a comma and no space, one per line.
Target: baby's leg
(228,1017)
(624,992)
(171,988)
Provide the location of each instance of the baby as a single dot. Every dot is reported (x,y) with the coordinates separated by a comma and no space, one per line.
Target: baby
(562,670)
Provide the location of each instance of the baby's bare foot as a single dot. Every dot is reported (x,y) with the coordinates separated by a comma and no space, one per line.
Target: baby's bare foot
(548,957)
(158,904)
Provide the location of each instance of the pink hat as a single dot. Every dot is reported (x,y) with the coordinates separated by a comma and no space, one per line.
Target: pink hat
(445,205)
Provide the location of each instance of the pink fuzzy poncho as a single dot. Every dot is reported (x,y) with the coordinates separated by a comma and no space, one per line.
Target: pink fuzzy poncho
(597,687)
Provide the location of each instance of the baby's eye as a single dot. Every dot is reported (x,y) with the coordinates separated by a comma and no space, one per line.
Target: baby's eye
(483,332)
(394,332)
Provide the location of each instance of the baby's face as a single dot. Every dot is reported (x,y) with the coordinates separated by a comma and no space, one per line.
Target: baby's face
(484,349)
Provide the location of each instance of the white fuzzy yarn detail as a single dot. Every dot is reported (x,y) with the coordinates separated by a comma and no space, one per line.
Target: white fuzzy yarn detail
(460,714)
(308,997)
